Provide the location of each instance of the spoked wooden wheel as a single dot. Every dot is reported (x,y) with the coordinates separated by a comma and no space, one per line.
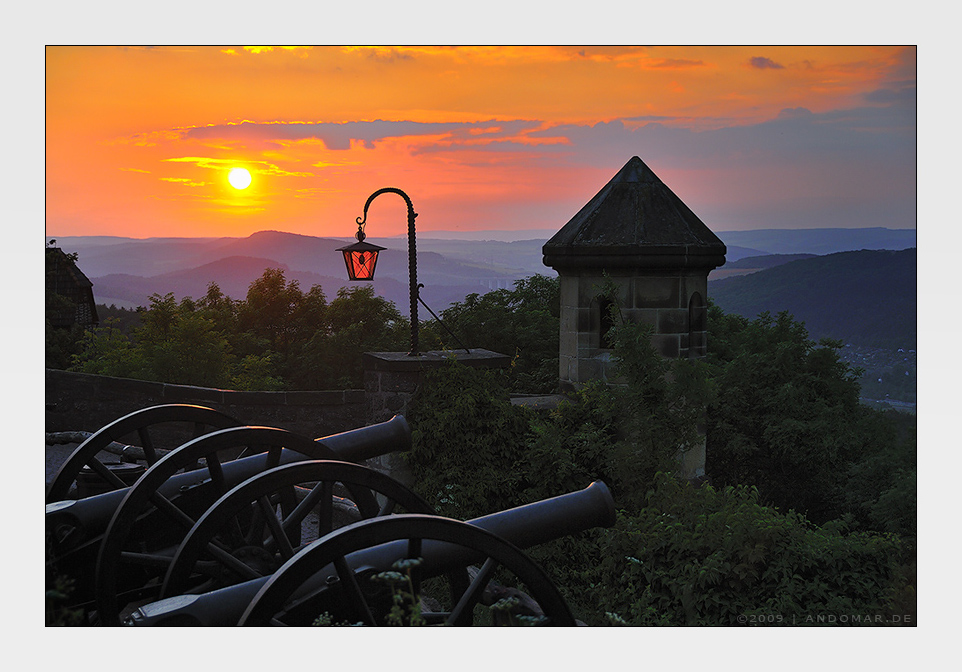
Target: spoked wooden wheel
(160,509)
(145,429)
(341,578)
(248,533)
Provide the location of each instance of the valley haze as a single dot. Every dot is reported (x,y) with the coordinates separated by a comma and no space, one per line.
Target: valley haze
(126,271)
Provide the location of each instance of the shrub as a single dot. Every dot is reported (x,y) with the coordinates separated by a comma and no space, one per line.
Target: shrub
(701,556)
(467,441)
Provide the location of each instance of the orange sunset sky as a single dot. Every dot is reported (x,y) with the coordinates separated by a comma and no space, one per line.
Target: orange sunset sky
(140,141)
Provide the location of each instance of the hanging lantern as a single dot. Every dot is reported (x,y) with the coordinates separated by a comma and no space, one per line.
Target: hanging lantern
(360,258)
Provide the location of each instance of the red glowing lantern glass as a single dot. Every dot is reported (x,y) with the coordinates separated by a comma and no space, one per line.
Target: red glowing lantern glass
(360,258)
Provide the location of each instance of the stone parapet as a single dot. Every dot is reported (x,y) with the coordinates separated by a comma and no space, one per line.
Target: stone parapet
(87,402)
(391,378)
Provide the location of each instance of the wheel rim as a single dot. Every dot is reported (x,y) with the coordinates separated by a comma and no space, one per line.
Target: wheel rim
(214,533)
(341,554)
(139,423)
(148,510)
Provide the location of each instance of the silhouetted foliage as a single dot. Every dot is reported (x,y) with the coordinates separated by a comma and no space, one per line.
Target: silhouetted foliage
(521,322)
(279,337)
(787,421)
(705,556)
(682,554)
(357,321)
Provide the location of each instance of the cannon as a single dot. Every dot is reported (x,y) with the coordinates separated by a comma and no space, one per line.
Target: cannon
(375,571)
(213,554)
(124,538)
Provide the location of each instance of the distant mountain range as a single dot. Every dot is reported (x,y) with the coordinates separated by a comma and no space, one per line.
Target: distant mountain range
(819,241)
(126,271)
(867,297)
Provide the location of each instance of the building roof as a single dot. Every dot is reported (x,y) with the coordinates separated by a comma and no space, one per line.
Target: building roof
(64,278)
(635,221)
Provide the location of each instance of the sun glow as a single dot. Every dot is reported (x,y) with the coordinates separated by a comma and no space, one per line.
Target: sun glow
(239,178)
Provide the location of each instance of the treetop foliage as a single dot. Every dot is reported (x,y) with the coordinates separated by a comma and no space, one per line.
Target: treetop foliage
(278,337)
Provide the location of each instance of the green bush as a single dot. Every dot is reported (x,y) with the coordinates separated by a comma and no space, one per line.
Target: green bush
(787,426)
(701,556)
(467,442)
(521,322)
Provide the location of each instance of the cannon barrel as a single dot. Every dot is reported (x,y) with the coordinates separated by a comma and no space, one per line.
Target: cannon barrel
(74,522)
(357,445)
(524,526)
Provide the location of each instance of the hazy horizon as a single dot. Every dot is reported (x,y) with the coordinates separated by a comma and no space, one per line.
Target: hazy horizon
(494,235)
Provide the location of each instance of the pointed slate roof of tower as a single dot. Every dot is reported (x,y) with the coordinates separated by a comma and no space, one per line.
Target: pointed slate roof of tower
(635,221)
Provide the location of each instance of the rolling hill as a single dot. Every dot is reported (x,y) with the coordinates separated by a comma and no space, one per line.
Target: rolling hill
(866,297)
(126,271)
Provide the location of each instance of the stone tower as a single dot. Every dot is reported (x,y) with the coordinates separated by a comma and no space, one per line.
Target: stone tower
(640,235)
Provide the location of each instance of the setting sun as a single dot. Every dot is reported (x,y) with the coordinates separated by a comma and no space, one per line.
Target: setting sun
(239,178)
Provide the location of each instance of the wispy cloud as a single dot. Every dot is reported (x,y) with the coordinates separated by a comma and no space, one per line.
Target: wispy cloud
(262,167)
(186,181)
(675,63)
(340,136)
(267,50)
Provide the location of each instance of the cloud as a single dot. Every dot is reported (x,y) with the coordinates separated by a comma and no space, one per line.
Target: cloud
(260,167)
(795,113)
(339,136)
(185,181)
(896,92)
(852,167)
(267,50)
(762,63)
(675,63)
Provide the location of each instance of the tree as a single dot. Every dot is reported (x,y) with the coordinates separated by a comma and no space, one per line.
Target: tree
(107,351)
(175,343)
(278,314)
(786,418)
(358,321)
(179,344)
(521,322)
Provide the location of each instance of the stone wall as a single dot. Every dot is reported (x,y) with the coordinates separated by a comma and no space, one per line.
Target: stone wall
(85,402)
(391,378)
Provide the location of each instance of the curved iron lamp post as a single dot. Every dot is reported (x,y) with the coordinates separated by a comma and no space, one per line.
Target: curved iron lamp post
(361,257)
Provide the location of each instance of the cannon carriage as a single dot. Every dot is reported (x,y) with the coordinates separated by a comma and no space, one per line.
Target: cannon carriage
(250,525)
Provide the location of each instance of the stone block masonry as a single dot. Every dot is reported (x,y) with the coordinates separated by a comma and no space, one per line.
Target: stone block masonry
(672,304)
(391,378)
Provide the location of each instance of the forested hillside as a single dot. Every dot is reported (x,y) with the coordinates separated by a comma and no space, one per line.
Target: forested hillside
(866,298)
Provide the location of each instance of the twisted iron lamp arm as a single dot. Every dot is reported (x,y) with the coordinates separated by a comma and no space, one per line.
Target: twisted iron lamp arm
(412,257)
